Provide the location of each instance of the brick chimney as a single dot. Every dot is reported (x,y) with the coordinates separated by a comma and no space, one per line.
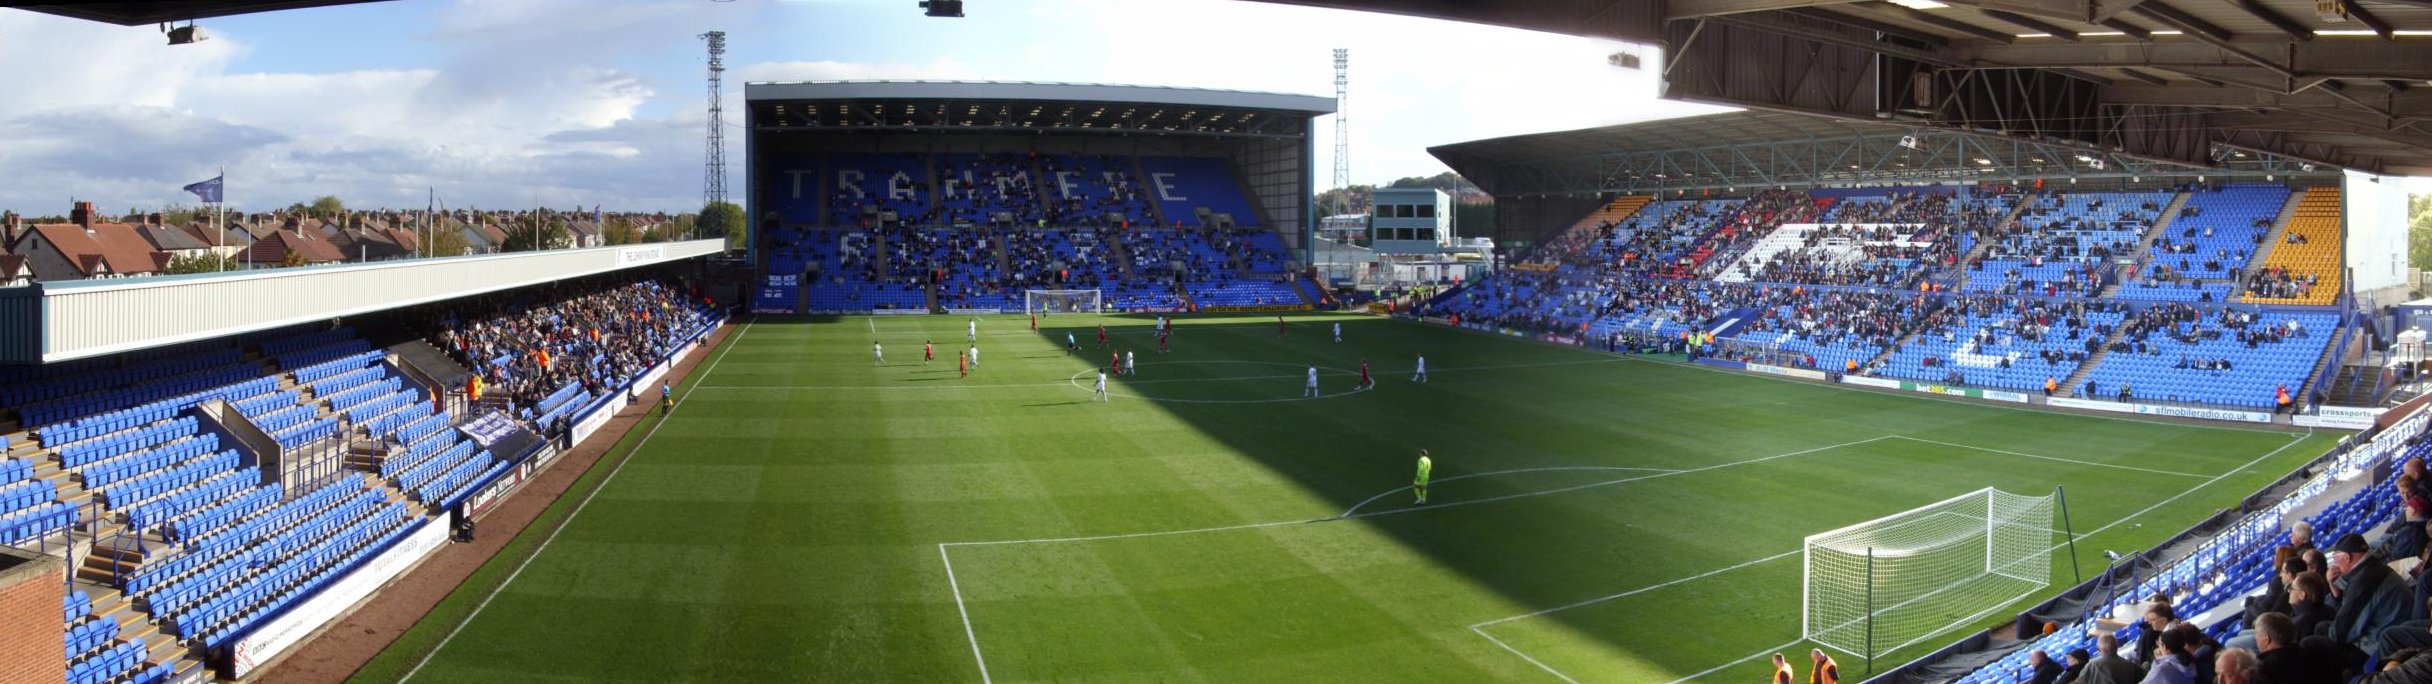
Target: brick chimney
(82,215)
(10,226)
(152,219)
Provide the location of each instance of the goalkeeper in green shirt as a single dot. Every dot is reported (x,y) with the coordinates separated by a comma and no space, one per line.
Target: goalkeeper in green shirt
(1419,483)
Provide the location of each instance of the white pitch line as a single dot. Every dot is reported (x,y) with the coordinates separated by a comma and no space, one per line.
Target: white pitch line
(681,402)
(2053,458)
(1479,627)
(1729,665)
(1160,381)
(966,613)
(1851,388)
(1640,590)
(1390,492)
(1430,507)
(1549,669)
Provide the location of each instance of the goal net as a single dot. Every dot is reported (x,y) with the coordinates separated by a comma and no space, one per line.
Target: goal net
(1061,301)
(1885,584)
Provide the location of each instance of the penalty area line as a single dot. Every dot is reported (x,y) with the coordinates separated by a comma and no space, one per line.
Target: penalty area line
(971,633)
(1479,628)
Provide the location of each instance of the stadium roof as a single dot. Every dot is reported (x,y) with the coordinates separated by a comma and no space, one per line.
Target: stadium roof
(2342,82)
(1756,148)
(929,106)
(140,13)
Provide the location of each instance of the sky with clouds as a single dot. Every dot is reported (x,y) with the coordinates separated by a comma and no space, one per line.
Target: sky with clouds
(516,103)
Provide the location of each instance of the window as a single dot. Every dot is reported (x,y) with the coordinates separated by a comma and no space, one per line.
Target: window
(1427,211)
(1428,234)
(1384,211)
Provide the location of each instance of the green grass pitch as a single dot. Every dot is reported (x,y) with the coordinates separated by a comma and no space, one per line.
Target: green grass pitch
(1596,518)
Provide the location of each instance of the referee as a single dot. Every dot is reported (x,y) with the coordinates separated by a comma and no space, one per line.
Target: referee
(1419,483)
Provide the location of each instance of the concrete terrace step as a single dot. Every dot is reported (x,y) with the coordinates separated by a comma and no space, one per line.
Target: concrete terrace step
(2271,241)
(2144,247)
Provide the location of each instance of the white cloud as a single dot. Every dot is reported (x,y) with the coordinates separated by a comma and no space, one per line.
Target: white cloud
(511,102)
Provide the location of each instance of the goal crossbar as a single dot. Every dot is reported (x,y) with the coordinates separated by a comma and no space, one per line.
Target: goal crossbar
(1063,301)
(1888,583)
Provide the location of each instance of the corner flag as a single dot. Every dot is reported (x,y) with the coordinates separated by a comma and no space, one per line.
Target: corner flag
(208,190)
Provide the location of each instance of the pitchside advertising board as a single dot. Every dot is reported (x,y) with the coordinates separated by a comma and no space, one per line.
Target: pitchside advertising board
(280,634)
(2163,411)
(1931,388)
(777,293)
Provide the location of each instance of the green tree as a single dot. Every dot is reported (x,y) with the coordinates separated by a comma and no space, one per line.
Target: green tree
(527,236)
(619,231)
(201,262)
(292,259)
(1356,195)
(327,206)
(178,214)
(2419,231)
(719,220)
(446,240)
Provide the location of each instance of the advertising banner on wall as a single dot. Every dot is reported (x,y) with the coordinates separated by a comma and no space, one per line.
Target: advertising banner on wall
(777,293)
(279,634)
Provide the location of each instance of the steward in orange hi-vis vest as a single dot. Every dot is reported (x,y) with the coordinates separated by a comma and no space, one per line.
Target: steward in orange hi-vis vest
(1826,672)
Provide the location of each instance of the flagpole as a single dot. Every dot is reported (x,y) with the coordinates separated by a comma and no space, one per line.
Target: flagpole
(219,218)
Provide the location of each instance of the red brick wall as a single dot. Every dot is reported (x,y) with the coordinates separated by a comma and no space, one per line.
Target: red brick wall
(31,634)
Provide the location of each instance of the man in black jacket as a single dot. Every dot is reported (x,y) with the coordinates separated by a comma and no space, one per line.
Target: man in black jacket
(2287,658)
(2371,597)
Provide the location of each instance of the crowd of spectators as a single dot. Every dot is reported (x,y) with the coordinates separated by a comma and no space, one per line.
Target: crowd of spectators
(1755,219)
(1869,255)
(1657,241)
(1107,195)
(2278,283)
(528,345)
(989,189)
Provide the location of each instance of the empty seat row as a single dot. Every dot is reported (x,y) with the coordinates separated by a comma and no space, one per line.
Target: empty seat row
(173,452)
(266,403)
(146,437)
(388,423)
(24,494)
(94,414)
(107,665)
(185,500)
(342,401)
(341,365)
(167,480)
(31,391)
(380,405)
(90,634)
(285,418)
(34,522)
(306,433)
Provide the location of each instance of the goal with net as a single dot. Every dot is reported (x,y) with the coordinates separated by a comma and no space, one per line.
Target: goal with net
(1062,301)
(1888,583)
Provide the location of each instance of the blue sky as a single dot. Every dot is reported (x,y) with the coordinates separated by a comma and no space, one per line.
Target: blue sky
(508,103)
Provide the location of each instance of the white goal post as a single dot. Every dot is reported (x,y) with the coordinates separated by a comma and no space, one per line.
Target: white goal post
(1062,301)
(1889,583)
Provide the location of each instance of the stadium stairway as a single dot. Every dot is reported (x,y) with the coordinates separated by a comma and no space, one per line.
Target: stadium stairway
(1156,210)
(1121,252)
(2325,367)
(1004,261)
(2069,386)
(2271,243)
(2161,227)
(1564,246)
(1960,281)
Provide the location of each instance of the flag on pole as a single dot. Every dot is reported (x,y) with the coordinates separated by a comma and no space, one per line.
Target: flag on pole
(208,190)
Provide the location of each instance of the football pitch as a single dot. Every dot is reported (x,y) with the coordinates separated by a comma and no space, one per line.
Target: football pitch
(809,515)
